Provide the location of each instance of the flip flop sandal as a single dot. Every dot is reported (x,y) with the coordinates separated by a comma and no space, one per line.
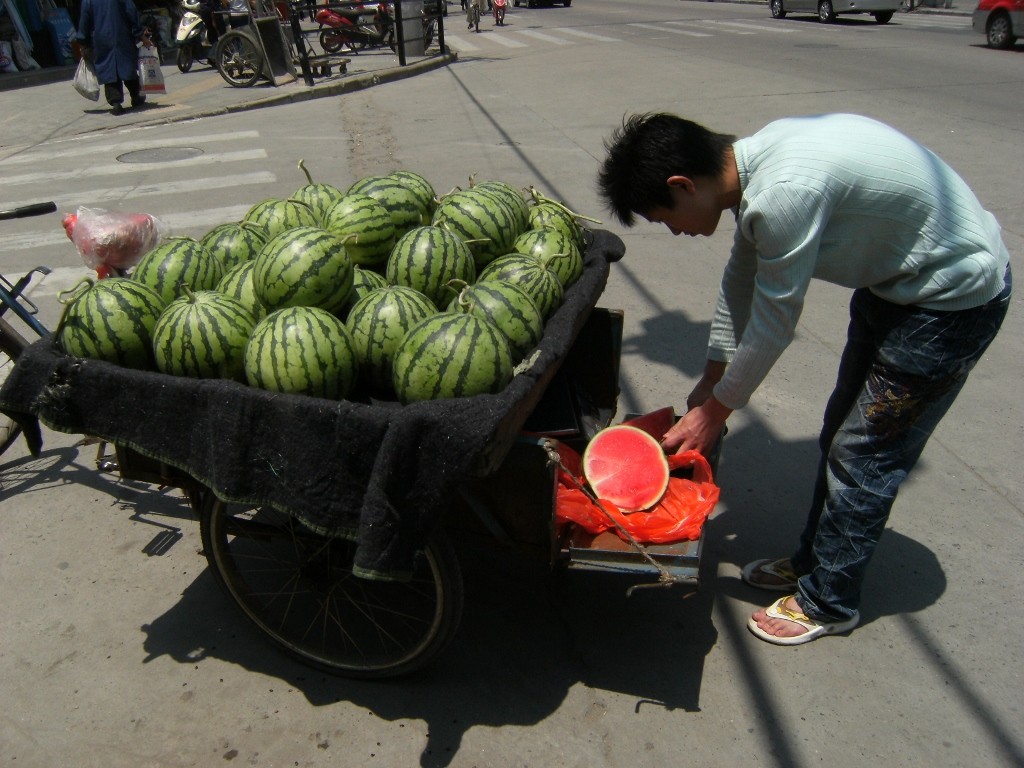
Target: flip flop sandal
(778,569)
(815,629)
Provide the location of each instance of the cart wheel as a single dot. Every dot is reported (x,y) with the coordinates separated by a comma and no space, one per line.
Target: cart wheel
(298,587)
(185,58)
(11,346)
(238,59)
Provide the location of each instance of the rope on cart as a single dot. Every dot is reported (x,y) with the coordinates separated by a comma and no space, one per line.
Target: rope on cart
(665,578)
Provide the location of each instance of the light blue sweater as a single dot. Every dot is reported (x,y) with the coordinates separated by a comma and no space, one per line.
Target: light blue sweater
(849,200)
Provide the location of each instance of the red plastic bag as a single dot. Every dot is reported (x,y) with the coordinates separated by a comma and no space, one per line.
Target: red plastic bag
(111,242)
(679,516)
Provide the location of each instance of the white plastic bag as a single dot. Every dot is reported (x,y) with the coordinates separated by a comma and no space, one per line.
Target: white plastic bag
(151,77)
(85,81)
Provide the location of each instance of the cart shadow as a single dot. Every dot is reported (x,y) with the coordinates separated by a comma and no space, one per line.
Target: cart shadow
(527,637)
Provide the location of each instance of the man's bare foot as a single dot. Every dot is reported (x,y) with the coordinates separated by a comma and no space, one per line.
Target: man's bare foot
(778,627)
(773,575)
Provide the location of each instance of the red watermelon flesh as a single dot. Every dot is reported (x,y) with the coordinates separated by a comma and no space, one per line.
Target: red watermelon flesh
(626,466)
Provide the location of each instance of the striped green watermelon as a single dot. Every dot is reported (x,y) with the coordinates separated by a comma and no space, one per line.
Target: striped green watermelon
(402,201)
(555,250)
(318,196)
(235,242)
(304,266)
(427,259)
(451,354)
(203,335)
(551,214)
(275,216)
(513,197)
(541,283)
(481,219)
(237,284)
(507,306)
(370,223)
(112,320)
(177,261)
(423,190)
(304,351)
(379,322)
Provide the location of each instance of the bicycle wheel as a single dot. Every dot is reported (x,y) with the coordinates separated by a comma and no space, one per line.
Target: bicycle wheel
(298,587)
(238,59)
(11,346)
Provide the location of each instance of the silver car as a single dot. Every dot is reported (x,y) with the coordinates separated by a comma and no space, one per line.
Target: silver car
(828,10)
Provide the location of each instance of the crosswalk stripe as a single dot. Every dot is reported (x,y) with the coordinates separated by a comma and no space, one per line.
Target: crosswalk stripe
(508,42)
(543,37)
(461,43)
(774,28)
(56,151)
(126,194)
(663,28)
(715,24)
(588,35)
(121,169)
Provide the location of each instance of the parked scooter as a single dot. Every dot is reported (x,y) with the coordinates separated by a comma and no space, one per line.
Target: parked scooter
(499,11)
(192,36)
(353,29)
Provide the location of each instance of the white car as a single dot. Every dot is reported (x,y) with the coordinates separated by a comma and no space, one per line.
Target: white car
(828,10)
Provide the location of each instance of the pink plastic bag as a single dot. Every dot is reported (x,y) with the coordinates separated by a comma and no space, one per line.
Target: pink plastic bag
(111,242)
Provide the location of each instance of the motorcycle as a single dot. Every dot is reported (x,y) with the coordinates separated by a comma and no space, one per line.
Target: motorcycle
(192,36)
(499,12)
(355,28)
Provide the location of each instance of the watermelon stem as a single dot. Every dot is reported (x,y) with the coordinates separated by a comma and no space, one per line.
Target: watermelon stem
(71,294)
(539,197)
(302,167)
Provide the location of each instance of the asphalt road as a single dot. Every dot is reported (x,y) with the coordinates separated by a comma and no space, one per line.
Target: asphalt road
(118,652)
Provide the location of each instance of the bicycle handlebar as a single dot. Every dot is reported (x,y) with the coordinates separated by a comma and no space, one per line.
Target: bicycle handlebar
(34,209)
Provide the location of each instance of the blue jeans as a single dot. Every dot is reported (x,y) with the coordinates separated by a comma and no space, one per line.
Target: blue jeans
(902,368)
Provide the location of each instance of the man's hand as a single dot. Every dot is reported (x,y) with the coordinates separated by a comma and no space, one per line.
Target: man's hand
(699,429)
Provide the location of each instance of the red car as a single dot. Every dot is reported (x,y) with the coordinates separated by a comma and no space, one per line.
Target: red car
(1001,21)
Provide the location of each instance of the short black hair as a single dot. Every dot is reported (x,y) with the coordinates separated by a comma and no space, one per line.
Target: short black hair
(649,148)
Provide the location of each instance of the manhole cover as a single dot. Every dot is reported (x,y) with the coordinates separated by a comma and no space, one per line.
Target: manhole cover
(160,155)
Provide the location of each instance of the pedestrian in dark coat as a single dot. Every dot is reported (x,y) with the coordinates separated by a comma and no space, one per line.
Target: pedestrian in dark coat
(110,31)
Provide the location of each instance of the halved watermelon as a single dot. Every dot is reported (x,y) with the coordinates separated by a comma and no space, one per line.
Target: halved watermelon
(626,466)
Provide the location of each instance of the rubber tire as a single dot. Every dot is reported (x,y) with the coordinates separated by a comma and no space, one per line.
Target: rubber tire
(239,61)
(883,17)
(185,58)
(12,344)
(778,9)
(289,580)
(999,31)
(826,14)
(331,41)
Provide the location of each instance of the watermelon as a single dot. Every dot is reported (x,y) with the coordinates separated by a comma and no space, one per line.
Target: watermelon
(237,284)
(548,213)
(275,216)
(304,266)
(234,242)
(401,200)
(512,197)
(626,466)
(422,189)
(177,261)
(426,259)
(378,323)
(370,224)
(112,320)
(451,355)
(481,219)
(532,276)
(203,335)
(508,307)
(302,350)
(555,250)
(318,196)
